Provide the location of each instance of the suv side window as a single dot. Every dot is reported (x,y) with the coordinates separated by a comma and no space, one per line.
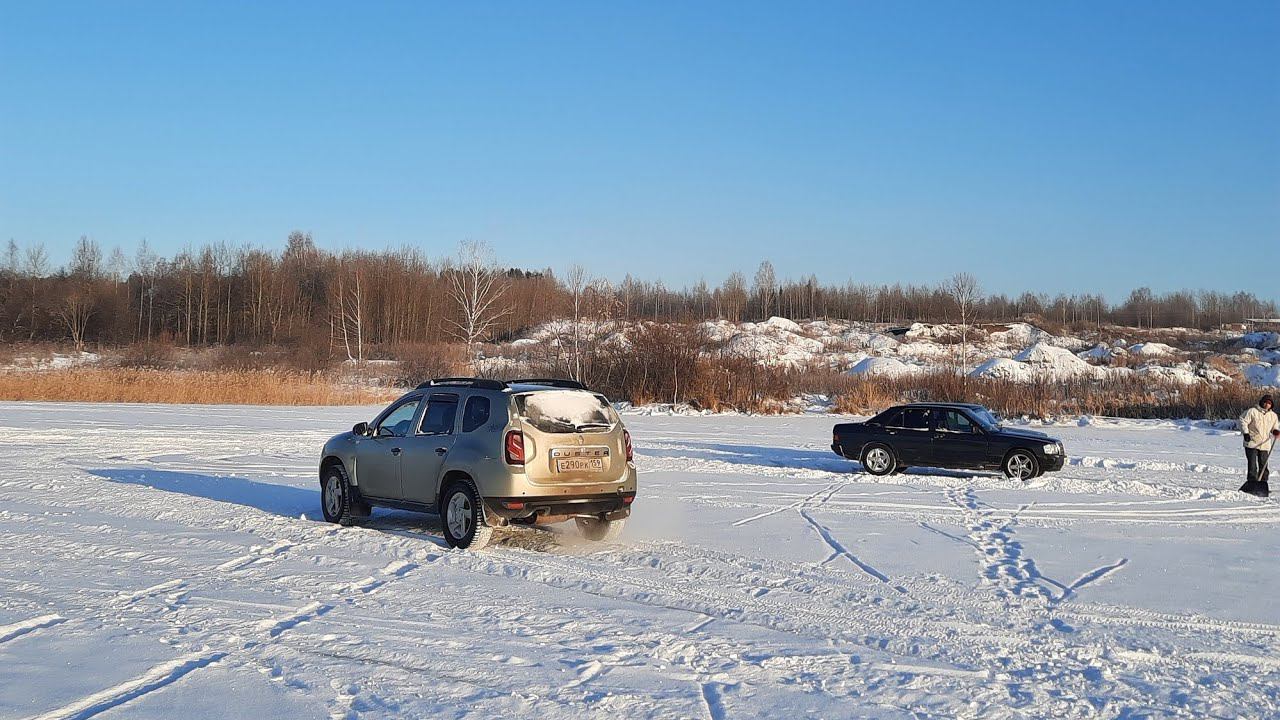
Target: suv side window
(476,413)
(399,420)
(440,414)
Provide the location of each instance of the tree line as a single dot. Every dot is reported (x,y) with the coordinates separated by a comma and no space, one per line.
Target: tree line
(361,304)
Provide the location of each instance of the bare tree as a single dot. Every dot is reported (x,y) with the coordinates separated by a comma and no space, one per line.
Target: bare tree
(117,265)
(734,296)
(479,290)
(766,284)
(576,283)
(75,311)
(348,310)
(965,292)
(144,264)
(37,267)
(11,258)
(86,259)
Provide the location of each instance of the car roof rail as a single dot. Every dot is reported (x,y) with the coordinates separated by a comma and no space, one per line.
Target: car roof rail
(481,383)
(550,382)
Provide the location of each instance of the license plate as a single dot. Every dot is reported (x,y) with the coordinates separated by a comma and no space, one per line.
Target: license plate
(568,465)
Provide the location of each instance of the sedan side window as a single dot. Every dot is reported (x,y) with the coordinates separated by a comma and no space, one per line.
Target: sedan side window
(398,422)
(915,419)
(957,422)
(440,414)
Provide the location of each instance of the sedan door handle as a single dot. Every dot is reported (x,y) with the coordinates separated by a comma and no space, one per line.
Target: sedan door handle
(395,451)
(441,451)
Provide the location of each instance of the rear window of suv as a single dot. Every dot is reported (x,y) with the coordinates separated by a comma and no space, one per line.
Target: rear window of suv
(557,411)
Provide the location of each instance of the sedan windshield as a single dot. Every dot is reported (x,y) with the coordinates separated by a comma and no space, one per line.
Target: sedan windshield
(985,418)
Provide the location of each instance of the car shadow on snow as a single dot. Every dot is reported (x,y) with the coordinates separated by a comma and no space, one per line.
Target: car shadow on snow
(782,457)
(293,502)
(286,500)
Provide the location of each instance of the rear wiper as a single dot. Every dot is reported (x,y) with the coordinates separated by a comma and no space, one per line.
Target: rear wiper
(592,425)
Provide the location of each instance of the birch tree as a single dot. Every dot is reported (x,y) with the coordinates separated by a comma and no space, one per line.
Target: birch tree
(348,310)
(576,284)
(965,292)
(479,291)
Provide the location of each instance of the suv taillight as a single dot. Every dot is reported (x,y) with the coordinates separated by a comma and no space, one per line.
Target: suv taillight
(513,447)
(626,442)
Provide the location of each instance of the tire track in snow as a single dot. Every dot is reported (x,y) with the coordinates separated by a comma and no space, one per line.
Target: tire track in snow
(839,550)
(712,699)
(160,676)
(829,490)
(128,598)
(1091,577)
(271,629)
(23,627)
(255,555)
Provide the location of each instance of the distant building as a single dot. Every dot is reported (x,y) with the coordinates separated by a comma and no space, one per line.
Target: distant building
(1255,324)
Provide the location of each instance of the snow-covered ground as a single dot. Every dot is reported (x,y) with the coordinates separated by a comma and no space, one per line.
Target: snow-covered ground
(165,562)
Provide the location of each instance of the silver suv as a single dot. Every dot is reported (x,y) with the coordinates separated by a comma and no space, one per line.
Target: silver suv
(483,453)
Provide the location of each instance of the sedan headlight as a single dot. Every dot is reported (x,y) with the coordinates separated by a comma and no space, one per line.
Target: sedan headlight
(1052,449)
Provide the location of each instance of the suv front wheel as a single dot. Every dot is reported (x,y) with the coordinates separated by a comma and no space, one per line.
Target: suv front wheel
(335,497)
(463,518)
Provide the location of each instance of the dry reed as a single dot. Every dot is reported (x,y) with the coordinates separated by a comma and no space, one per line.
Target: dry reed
(212,387)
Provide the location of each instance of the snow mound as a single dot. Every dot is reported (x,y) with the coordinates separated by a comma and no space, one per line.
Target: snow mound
(883,367)
(774,343)
(1260,340)
(1262,375)
(866,339)
(779,323)
(925,331)
(1179,375)
(1153,350)
(1103,353)
(1021,335)
(1004,369)
(718,330)
(1056,363)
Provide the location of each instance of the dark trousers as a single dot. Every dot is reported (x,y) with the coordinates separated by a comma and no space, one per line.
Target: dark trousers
(1258,473)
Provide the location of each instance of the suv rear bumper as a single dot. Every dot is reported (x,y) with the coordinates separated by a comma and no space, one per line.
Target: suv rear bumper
(614,506)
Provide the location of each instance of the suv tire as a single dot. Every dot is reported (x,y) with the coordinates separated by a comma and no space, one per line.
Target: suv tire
(599,530)
(335,496)
(462,517)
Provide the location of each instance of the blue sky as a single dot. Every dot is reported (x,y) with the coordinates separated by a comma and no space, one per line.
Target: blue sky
(1078,147)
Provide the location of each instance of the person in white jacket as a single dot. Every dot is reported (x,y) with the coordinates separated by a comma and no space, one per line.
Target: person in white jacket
(1260,427)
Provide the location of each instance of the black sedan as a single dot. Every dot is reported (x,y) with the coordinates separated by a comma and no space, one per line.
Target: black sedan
(946,435)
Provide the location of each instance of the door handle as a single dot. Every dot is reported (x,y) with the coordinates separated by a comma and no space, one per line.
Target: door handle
(395,451)
(441,451)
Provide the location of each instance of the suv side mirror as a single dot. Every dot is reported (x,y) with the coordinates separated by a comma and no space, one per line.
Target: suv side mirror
(361,428)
